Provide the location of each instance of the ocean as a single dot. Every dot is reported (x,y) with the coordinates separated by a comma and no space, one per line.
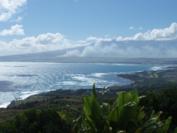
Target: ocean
(18,80)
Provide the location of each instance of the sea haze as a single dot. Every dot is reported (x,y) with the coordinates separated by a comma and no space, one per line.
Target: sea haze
(19,80)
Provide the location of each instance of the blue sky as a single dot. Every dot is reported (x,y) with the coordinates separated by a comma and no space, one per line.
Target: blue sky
(62,23)
(79,19)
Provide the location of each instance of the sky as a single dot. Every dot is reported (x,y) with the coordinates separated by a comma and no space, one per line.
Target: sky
(115,28)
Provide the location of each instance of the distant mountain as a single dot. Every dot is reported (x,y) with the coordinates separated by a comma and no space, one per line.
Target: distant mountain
(56,56)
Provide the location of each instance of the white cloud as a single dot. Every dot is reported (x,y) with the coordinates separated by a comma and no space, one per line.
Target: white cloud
(13,30)
(72,53)
(131,49)
(9,8)
(161,43)
(167,33)
(34,44)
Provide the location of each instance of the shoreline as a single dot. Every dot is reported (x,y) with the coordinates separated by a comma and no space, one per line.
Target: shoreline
(112,89)
(130,81)
(71,100)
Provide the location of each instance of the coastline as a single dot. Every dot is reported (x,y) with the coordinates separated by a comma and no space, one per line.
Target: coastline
(134,77)
(131,82)
(71,100)
(22,83)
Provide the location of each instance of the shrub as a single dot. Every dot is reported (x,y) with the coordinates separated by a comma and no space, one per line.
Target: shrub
(36,121)
(125,115)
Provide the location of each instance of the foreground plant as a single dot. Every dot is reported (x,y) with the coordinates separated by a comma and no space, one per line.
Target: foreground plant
(125,115)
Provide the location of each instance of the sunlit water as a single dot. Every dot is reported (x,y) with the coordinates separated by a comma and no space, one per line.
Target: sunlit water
(19,80)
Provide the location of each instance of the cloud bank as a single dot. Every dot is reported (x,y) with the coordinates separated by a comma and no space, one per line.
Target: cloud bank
(168,33)
(155,43)
(33,44)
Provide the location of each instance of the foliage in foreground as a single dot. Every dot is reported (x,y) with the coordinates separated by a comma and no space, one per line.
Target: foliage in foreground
(125,115)
(36,121)
(162,100)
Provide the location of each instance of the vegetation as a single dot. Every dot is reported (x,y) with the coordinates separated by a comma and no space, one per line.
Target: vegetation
(125,115)
(36,121)
(129,113)
(162,100)
(67,111)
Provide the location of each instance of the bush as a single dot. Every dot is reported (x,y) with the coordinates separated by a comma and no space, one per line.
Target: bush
(125,115)
(162,100)
(129,113)
(36,121)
